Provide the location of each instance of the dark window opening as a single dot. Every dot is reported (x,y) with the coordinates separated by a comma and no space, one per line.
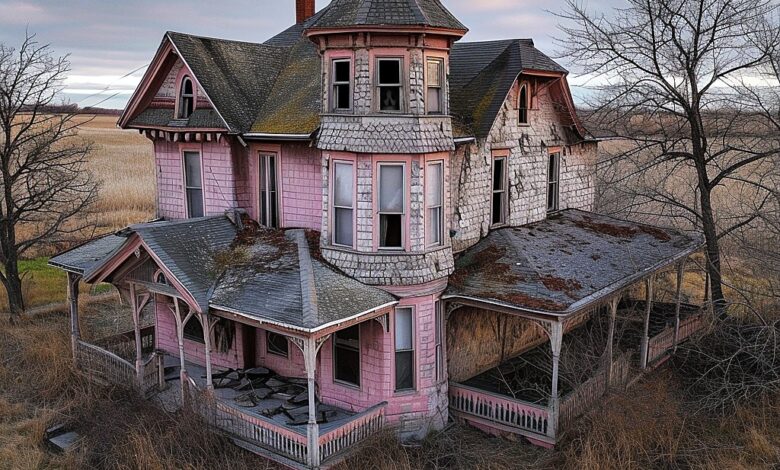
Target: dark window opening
(553,182)
(391,206)
(404,349)
(342,96)
(193,330)
(522,106)
(186,99)
(276,344)
(269,204)
(499,201)
(193,183)
(389,82)
(346,355)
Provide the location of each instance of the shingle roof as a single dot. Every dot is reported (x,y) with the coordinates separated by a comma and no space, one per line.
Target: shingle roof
(491,68)
(562,264)
(164,117)
(346,13)
(88,255)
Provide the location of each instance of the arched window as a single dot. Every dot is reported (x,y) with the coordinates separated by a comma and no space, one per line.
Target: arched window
(160,278)
(186,98)
(193,329)
(522,105)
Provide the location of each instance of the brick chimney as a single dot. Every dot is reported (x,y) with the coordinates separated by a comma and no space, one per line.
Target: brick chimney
(304,9)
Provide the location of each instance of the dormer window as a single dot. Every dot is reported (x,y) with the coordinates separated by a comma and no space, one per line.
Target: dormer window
(434,95)
(522,105)
(389,84)
(342,85)
(186,98)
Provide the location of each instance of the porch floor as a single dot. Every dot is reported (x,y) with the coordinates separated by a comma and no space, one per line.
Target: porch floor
(270,407)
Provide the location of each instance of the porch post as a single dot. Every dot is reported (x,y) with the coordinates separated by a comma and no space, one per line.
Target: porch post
(678,295)
(139,364)
(180,338)
(556,338)
(312,429)
(206,324)
(73,305)
(648,309)
(613,305)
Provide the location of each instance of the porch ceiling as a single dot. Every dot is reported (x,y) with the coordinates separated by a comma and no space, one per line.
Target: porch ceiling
(565,263)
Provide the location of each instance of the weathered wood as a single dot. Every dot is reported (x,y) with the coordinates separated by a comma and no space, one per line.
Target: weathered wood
(556,340)
(351,433)
(613,306)
(677,301)
(73,306)
(104,365)
(648,310)
(134,305)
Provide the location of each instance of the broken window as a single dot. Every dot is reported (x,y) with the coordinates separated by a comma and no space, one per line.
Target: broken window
(186,98)
(522,105)
(276,344)
(346,355)
(434,217)
(343,203)
(499,202)
(269,205)
(193,183)
(391,206)
(342,96)
(434,95)
(404,348)
(389,84)
(553,186)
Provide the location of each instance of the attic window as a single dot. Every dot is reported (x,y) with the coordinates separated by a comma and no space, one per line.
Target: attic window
(186,99)
(342,96)
(522,105)
(389,84)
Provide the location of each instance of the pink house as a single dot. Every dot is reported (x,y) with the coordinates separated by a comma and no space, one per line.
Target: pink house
(363,222)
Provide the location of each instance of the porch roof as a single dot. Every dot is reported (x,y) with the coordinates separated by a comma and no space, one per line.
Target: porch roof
(84,257)
(564,263)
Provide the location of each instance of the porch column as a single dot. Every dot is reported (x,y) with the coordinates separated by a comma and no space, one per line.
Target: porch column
(556,338)
(648,309)
(139,364)
(678,295)
(312,429)
(613,305)
(73,306)
(206,324)
(180,337)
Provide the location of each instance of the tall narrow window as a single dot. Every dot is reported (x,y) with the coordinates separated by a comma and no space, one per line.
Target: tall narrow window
(186,98)
(434,217)
(269,205)
(193,183)
(346,355)
(342,95)
(343,203)
(499,203)
(553,183)
(522,105)
(439,335)
(391,206)
(389,84)
(404,349)
(434,94)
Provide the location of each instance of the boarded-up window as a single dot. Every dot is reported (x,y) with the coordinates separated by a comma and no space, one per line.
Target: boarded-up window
(404,349)
(193,182)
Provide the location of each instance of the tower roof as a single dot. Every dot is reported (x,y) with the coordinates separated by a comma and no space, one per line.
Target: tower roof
(351,13)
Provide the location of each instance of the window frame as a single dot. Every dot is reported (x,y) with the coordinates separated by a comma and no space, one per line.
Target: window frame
(188,336)
(555,157)
(187,187)
(334,84)
(181,96)
(440,207)
(334,206)
(523,106)
(263,165)
(276,351)
(440,87)
(379,211)
(336,345)
(504,190)
(413,350)
(400,85)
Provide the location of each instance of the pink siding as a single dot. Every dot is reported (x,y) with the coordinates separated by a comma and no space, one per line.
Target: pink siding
(301,187)
(291,366)
(218,180)
(170,180)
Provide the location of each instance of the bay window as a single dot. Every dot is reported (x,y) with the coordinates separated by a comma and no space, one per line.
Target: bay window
(389,84)
(404,349)
(434,215)
(434,94)
(193,184)
(391,206)
(342,85)
(343,203)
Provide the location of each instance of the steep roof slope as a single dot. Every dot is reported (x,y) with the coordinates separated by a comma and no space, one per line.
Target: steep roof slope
(346,13)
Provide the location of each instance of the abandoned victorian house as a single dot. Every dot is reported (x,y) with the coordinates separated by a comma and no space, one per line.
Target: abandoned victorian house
(366,223)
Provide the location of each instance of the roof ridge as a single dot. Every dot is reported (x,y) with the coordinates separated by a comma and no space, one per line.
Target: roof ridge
(421,12)
(235,41)
(308,287)
(168,223)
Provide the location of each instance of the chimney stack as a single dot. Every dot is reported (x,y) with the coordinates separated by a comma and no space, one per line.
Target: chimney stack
(304,9)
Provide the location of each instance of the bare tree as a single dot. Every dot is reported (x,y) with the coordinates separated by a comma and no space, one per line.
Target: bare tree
(45,188)
(661,75)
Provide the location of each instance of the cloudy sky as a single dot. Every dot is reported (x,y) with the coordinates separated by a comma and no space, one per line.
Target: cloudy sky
(109,39)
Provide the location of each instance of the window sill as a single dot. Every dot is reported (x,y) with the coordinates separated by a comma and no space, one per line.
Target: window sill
(348,385)
(276,354)
(405,393)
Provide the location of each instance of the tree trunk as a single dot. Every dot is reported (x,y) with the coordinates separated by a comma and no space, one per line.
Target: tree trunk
(13,287)
(713,254)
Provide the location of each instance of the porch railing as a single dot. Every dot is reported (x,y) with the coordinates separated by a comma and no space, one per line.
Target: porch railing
(359,427)
(586,394)
(123,344)
(104,365)
(660,344)
(499,408)
(257,430)
(153,372)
